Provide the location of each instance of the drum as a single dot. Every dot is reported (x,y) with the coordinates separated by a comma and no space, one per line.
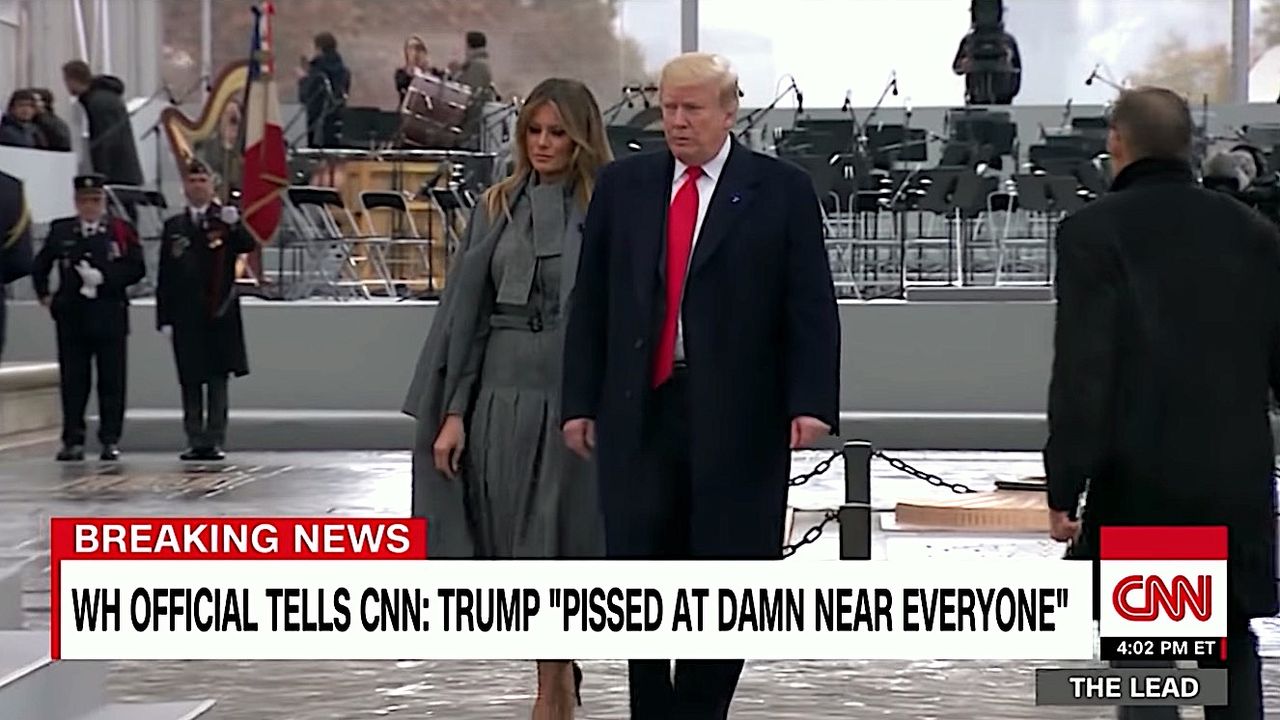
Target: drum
(433,112)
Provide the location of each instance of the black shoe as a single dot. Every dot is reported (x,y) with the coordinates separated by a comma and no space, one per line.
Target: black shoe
(192,454)
(214,453)
(577,683)
(109,452)
(71,453)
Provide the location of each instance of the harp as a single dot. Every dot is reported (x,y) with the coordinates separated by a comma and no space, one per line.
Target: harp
(203,138)
(209,139)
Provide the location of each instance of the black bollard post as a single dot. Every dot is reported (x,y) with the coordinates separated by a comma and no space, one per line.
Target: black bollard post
(855,514)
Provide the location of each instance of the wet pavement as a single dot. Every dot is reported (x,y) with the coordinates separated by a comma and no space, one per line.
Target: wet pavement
(32,488)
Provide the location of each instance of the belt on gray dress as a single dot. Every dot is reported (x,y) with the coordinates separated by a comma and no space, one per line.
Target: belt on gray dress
(520,318)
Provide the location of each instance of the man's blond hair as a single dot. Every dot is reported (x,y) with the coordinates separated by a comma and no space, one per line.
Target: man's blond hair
(699,68)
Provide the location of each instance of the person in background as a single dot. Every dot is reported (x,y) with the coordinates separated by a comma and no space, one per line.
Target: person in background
(474,72)
(704,346)
(197,306)
(490,474)
(17,126)
(112,150)
(57,136)
(97,257)
(416,63)
(1159,394)
(15,239)
(323,84)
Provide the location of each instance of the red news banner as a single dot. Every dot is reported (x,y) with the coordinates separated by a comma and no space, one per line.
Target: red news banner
(342,588)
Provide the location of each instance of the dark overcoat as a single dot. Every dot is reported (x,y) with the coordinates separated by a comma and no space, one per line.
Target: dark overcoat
(446,354)
(761,337)
(196,295)
(1166,344)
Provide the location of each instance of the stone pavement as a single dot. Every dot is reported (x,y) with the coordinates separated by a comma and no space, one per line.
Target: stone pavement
(32,488)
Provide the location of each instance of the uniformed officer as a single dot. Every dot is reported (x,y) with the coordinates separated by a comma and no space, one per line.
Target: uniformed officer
(98,257)
(197,305)
(15,238)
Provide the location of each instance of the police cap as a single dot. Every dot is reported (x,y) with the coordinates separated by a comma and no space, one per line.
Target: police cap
(90,183)
(196,166)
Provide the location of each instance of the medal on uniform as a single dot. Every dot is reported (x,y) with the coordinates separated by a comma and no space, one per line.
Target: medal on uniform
(179,247)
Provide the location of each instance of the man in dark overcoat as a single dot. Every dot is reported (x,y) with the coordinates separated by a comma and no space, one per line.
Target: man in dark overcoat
(97,257)
(197,305)
(703,346)
(1167,342)
(15,239)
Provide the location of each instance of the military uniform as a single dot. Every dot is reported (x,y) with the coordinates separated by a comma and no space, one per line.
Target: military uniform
(15,238)
(96,262)
(196,298)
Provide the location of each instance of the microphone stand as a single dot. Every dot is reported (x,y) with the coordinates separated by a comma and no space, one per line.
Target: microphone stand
(756,115)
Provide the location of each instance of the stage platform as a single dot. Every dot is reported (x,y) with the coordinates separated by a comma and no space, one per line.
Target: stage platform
(32,488)
(332,375)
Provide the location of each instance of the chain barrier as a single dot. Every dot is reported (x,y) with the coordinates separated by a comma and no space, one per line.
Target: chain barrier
(934,480)
(810,536)
(817,470)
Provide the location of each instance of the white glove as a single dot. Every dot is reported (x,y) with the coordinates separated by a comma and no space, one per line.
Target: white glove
(167,330)
(230,215)
(90,279)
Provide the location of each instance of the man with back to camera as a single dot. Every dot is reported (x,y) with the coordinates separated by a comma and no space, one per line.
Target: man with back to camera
(1166,344)
(112,150)
(197,306)
(97,257)
(702,346)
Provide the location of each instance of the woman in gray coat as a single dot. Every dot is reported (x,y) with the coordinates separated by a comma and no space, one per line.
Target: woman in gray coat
(491,472)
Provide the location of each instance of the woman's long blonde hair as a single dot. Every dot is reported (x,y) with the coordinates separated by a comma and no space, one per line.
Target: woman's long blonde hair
(581,119)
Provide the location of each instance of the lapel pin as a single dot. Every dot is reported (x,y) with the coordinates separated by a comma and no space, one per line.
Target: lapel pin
(735,199)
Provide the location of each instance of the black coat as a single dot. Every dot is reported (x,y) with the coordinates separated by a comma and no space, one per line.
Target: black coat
(15,239)
(1166,344)
(112,150)
(761,335)
(56,134)
(323,92)
(196,296)
(19,134)
(115,251)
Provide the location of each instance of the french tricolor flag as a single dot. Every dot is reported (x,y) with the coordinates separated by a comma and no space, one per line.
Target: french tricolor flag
(265,170)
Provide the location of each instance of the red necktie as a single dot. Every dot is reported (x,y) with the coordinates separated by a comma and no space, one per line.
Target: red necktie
(682,218)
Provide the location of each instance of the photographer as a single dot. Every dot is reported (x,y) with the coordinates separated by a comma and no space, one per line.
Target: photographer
(988,57)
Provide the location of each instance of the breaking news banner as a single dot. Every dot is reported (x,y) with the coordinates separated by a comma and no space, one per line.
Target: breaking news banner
(320,589)
(1162,597)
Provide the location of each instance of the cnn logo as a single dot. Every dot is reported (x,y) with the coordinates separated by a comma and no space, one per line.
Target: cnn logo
(1143,598)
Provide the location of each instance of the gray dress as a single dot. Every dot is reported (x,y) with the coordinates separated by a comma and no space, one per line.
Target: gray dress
(528,495)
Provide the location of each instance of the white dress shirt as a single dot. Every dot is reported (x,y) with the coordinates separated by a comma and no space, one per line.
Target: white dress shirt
(711,173)
(197,213)
(89,229)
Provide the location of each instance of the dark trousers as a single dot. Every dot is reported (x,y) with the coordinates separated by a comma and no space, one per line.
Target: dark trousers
(657,527)
(205,420)
(1244,680)
(76,352)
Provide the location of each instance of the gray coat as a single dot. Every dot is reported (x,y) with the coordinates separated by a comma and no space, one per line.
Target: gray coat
(461,317)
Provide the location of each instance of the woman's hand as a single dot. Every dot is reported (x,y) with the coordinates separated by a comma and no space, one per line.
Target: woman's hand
(448,447)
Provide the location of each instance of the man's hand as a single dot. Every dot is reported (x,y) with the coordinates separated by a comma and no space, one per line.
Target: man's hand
(1061,527)
(46,300)
(580,436)
(166,330)
(806,430)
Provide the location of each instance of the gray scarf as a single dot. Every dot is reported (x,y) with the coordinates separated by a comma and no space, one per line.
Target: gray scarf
(539,213)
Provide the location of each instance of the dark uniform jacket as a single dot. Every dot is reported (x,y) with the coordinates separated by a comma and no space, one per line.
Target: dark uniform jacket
(1166,343)
(114,250)
(111,146)
(15,238)
(196,295)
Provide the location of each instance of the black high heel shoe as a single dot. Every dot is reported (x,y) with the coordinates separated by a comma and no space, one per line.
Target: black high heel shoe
(577,683)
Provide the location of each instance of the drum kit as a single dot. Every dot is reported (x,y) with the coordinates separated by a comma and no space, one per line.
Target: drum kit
(434,112)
